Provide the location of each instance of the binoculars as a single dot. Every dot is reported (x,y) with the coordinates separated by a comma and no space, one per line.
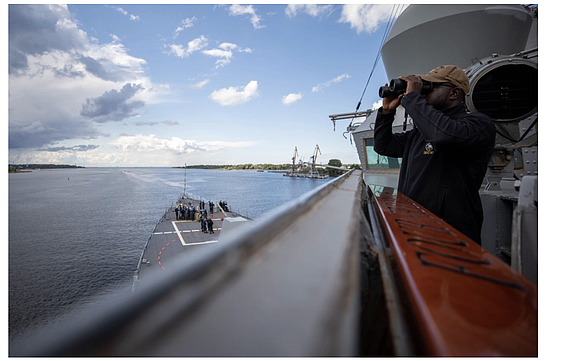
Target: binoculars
(399,86)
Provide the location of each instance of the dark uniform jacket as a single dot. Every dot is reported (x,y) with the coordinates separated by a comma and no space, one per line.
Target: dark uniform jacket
(445,159)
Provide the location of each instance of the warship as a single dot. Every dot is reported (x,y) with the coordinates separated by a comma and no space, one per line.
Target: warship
(355,268)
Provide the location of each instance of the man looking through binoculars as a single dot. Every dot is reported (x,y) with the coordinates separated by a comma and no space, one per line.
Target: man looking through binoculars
(445,156)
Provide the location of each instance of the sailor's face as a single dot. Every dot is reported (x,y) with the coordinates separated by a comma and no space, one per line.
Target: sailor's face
(439,95)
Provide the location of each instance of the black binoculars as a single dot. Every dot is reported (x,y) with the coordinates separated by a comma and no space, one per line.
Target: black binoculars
(399,86)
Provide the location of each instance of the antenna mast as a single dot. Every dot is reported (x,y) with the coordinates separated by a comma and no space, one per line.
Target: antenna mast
(184,178)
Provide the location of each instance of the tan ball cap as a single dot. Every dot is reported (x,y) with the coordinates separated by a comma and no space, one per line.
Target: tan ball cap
(448,74)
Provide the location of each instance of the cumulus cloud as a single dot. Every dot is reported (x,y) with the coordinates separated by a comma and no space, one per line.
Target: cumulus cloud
(369,18)
(35,30)
(175,145)
(192,46)
(310,9)
(113,105)
(186,23)
(235,95)
(338,79)
(291,98)
(237,10)
(55,67)
(225,53)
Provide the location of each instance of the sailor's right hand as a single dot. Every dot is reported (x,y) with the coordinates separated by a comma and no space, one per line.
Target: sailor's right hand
(391,103)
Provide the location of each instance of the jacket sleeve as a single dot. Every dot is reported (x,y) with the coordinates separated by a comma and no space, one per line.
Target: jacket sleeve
(436,127)
(387,143)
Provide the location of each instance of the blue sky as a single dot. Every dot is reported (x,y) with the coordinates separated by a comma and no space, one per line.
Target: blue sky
(164,85)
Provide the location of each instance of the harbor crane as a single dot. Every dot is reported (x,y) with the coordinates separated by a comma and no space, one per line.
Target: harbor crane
(294,160)
(313,170)
(294,171)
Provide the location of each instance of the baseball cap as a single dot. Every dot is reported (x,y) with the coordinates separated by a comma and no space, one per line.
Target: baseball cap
(448,74)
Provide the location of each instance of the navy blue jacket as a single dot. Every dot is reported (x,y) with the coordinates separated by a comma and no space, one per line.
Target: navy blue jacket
(445,159)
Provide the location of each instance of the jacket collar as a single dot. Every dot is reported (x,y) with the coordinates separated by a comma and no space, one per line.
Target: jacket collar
(455,111)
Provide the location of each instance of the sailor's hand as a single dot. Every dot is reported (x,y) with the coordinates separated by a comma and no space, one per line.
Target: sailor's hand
(414,83)
(391,103)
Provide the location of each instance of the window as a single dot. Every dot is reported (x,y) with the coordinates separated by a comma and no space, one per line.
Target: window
(377,161)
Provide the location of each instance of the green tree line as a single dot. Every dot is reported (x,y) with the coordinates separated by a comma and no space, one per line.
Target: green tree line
(274,167)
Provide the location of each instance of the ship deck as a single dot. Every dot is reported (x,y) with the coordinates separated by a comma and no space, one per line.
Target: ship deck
(173,237)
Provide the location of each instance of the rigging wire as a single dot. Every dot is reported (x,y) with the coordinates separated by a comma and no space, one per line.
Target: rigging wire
(395,11)
(390,21)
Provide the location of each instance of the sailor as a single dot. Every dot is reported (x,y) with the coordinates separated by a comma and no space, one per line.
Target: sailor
(177,212)
(445,156)
(210,225)
(203,225)
(211,207)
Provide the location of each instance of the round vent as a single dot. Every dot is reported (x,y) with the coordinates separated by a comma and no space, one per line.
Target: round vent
(505,89)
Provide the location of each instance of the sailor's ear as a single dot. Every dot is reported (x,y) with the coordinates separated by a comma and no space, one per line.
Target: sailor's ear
(455,93)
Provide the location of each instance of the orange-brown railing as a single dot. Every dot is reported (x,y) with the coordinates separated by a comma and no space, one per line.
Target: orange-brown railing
(467,302)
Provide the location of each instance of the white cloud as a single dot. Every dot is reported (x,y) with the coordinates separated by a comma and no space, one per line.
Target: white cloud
(368,18)
(194,45)
(175,145)
(225,53)
(57,68)
(338,79)
(237,10)
(310,9)
(187,23)
(235,95)
(291,98)
(124,12)
(119,9)
(200,85)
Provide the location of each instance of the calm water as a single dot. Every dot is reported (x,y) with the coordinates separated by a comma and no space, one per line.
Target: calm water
(77,233)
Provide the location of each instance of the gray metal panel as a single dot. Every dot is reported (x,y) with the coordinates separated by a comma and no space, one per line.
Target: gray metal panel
(497,223)
(464,32)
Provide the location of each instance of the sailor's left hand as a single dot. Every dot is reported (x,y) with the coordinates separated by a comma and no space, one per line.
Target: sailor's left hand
(414,83)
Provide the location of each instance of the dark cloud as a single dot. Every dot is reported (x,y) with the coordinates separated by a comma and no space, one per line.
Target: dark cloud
(54,127)
(38,29)
(113,105)
(67,72)
(74,148)
(97,68)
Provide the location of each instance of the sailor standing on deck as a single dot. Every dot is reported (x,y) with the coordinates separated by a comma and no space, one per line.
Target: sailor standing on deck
(445,156)
(210,225)
(177,212)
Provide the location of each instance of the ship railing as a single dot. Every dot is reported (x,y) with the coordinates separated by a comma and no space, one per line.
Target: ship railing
(464,300)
